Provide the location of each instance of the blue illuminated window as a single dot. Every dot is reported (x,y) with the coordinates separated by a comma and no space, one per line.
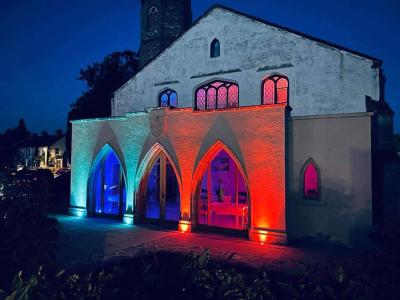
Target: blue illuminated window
(168,98)
(109,187)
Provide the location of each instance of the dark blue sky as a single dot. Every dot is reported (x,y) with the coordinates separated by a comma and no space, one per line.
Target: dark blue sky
(44,44)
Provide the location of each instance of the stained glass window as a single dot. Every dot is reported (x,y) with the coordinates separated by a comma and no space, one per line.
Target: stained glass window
(201,99)
(311,181)
(275,90)
(222,95)
(215,48)
(217,95)
(168,98)
(211,98)
(233,96)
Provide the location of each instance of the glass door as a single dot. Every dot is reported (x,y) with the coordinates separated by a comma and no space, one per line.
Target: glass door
(223,200)
(162,199)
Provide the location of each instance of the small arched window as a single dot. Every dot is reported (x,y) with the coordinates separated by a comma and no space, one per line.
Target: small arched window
(168,98)
(152,16)
(311,181)
(275,89)
(217,95)
(215,48)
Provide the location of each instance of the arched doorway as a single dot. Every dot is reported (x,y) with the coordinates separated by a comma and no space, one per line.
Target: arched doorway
(107,188)
(222,198)
(159,192)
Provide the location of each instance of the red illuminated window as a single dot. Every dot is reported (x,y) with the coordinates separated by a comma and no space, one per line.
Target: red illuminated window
(275,89)
(168,98)
(311,181)
(217,95)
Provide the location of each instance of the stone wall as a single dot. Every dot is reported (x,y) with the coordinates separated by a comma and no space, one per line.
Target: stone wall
(174,17)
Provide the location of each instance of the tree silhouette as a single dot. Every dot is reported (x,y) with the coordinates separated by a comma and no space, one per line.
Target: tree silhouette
(102,80)
(9,141)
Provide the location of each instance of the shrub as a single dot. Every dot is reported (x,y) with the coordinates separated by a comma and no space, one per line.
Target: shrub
(28,236)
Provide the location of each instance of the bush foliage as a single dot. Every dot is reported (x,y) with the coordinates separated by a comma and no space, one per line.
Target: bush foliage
(28,236)
(174,276)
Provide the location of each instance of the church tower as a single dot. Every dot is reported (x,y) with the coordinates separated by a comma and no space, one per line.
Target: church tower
(162,22)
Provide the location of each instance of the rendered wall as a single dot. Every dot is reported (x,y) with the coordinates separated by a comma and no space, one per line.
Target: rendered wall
(341,147)
(323,80)
(187,137)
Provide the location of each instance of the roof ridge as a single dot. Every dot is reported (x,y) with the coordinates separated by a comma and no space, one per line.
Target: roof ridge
(378,61)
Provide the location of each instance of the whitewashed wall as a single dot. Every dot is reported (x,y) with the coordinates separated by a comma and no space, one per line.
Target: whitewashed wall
(323,80)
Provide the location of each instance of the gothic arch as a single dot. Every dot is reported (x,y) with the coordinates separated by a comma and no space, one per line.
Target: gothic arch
(99,159)
(310,162)
(145,167)
(152,17)
(215,48)
(202,166)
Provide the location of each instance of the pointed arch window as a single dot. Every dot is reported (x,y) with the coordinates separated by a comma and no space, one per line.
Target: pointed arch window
(217,95)
(215,48)
(152,16)
(168,98)
(107,195)
(311,181)
(275,89)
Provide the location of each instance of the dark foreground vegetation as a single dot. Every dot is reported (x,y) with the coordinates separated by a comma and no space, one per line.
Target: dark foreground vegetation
(174,276)
(28,246)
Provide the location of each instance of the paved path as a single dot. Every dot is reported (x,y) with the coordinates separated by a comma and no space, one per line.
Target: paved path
(89,239)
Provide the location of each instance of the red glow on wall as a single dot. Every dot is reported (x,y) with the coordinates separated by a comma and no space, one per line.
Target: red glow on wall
(184,226)
(260,158)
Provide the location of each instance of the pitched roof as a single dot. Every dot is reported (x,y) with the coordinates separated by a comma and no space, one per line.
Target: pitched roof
(378,62)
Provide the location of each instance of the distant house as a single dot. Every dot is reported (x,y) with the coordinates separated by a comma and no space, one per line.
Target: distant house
(43,152)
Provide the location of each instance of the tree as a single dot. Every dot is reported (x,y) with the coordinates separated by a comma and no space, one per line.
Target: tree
(102,80)
(9,141)
(59,132)
(22,126)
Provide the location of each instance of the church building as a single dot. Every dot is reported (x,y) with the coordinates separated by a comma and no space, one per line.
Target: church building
(237,125)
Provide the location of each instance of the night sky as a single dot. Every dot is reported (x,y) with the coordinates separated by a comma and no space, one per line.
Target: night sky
(44,44)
